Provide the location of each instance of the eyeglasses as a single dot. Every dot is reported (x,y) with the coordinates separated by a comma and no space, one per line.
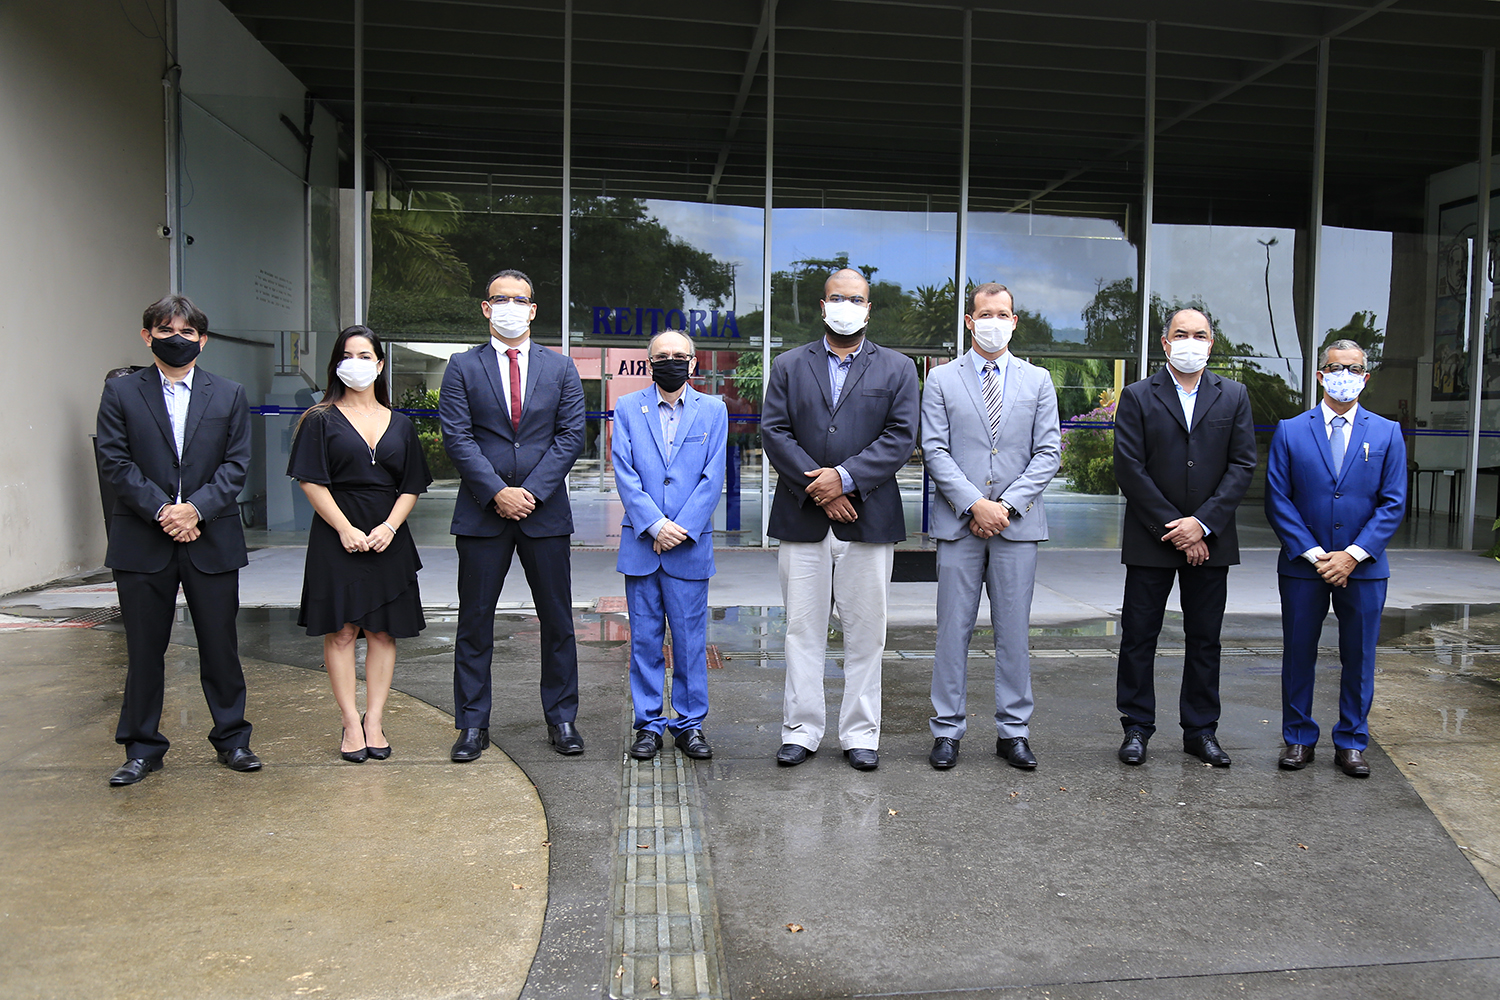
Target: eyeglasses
(500,300)
(857,300)
(1332,369)
(662,358)
(163,332)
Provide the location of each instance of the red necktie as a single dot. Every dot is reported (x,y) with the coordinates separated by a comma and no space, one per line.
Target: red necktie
(515,389)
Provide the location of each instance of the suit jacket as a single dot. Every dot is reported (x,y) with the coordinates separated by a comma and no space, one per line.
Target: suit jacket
(1362,505)
(968,465)
(138,457)
(685,488)
(474,413)
(1167,471)
(871,433)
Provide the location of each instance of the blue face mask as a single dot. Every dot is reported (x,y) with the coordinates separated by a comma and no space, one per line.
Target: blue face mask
(1344,387)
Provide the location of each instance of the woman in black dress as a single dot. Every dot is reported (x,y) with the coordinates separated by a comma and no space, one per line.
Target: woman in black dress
(361,465)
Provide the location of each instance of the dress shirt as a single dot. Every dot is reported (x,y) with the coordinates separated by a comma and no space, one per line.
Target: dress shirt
(1189,400)
(838,371)
(1317,552)
(177,396)
(523,361)
(669,414)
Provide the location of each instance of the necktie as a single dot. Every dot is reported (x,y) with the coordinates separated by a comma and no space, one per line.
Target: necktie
(1338,443)
(990,376)
(515,389)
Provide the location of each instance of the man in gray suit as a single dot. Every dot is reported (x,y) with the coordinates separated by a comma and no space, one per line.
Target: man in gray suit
(839,420)
(991,442)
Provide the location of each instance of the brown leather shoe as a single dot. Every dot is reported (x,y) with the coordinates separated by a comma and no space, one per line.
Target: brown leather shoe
(1352,763)
(1294,757)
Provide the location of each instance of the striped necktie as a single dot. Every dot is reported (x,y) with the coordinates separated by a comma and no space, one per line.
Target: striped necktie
(990,377)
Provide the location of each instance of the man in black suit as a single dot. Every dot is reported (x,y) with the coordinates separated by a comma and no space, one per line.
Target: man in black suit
(839,420)
(512,418)
(174,443)
(1184,454)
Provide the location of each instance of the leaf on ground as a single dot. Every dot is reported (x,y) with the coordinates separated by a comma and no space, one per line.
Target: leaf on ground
(1303,846)
(620,972)
(643,846)
(655,981)
(517,885)
(794,928)
(893,812)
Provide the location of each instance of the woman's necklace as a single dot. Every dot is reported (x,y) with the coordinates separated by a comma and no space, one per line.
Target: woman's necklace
(364,413)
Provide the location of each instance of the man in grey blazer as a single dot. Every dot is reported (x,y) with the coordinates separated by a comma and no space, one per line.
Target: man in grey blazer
(839,420)
(991,442)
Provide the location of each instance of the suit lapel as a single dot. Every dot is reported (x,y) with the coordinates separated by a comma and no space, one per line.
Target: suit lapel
(1319,440)
(1208,394)
(856,372)
(817,361)
(692,409)
(971,375)
(651,413)
(151,393)
(1010,370)
(489,360)
(1164,388)
(198,399)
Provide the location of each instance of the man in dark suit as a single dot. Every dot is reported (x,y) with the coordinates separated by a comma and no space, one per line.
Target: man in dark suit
(1184,454)
(512,418)
(174,443)
(1335,493)
(839,420)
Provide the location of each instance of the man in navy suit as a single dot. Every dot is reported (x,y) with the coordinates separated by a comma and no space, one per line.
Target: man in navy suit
(174,443)
(840,420)
(1335,493)
(512,418)
(1184,453)
(668,452)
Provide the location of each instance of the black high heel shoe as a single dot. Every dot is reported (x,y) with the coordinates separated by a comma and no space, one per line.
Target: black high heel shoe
(376,753)
(354,756)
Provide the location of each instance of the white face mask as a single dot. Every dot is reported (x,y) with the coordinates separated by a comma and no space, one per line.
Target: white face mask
(846,318)
(511,319)
(358,373)
(1188,356)
(1344,387)
(991,334)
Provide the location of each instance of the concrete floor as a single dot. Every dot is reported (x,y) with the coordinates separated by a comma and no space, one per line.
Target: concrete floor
(419,878)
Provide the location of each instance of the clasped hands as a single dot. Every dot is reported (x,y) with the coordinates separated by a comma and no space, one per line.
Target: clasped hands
(827,491)
(987,518)
(180,520)
(669,536)
(1335,567)
(1186,535)
(514,502)
(378,539)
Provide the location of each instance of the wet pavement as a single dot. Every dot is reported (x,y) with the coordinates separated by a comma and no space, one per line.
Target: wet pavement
(735,878)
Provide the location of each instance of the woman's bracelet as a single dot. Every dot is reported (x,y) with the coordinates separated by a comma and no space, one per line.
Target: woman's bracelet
(388,525)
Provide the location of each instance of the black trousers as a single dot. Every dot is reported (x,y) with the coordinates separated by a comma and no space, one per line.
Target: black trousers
(483,562)
(148,603)
(1203,590)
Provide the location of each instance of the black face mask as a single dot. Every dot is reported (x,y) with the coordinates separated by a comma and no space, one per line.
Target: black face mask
(176,351)
(670,374)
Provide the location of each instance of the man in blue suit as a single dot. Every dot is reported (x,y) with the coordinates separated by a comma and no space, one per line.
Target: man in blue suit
(512,418)
(668,452)
(1335,493)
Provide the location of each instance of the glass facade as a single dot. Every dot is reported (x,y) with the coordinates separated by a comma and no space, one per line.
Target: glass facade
(663,170)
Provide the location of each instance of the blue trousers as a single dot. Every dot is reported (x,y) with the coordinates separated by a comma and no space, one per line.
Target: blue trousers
(656,601)
(1304,605)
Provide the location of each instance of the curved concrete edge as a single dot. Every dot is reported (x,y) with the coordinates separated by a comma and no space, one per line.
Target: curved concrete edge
(407,877)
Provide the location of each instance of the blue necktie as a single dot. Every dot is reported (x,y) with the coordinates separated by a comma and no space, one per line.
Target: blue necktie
(1337,442)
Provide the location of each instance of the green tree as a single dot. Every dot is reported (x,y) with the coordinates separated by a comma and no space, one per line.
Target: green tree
(1362,330)
(409,250)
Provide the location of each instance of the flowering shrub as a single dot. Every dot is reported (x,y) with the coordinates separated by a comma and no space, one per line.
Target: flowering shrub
(1088,452)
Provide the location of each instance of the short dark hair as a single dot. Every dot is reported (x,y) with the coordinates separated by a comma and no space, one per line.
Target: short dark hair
(1166,328)
(989,288)
(171,307)
(510,272)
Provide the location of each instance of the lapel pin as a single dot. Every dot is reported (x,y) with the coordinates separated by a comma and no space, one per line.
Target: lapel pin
(1367,451)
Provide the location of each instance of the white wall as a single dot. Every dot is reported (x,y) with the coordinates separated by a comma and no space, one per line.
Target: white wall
(81,165)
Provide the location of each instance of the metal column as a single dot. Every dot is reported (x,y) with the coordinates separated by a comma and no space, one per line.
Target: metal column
(567,201)
(359,162)
(961,266)
(1479,294)
(1148,199)
(765,287)
(1311,338)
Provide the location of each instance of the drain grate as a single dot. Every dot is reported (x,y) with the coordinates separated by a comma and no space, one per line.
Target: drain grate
(91,619)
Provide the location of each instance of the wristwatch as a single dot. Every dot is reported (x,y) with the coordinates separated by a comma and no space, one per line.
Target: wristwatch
(1009,510)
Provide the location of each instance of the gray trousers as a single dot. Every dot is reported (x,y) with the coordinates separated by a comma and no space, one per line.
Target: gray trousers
(1008,571)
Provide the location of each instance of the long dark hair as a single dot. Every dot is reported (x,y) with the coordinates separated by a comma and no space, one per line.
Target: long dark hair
(336,387)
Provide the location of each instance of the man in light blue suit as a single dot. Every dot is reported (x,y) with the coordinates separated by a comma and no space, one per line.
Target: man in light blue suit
(668,452)
(991,442)
(1335,493)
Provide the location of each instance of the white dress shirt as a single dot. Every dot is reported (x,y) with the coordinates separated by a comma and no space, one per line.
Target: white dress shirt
(523,360)
(1317,552)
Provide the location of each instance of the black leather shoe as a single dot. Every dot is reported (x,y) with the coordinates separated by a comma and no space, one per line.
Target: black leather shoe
(1206,748)
(792,754)
(134,770)
(646,744)
(1352,763)
(944,753)
(1294,757)
(1133,749)
(862,759)
(565,738)
(470,744)
(376,753)
(239,759)
(353,756)
(693,744)
(1016,751)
